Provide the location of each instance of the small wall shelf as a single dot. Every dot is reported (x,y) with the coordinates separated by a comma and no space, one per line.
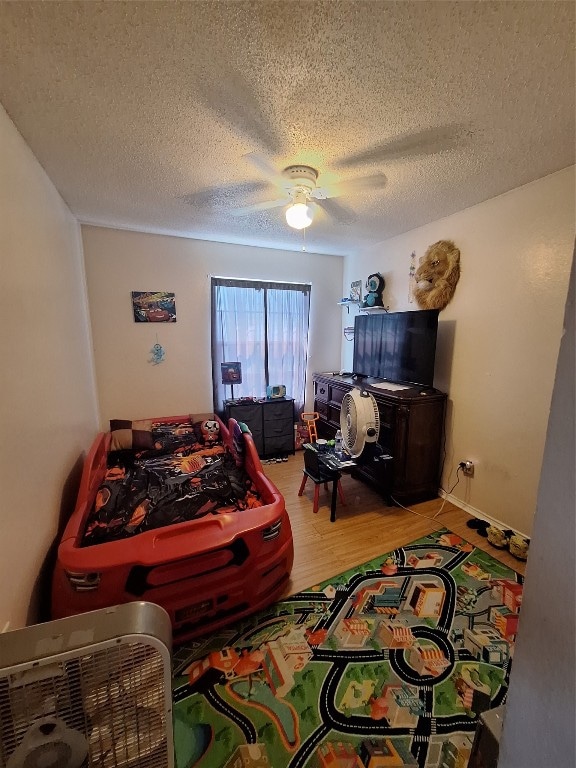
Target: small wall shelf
(374,310)
(348,303)
(367,310)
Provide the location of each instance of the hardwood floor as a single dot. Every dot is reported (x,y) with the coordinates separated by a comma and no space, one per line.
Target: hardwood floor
(364,528)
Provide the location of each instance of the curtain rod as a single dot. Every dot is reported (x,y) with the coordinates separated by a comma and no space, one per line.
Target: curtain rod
(256,280)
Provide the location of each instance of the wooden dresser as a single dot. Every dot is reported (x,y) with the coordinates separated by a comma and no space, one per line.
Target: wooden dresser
(411,432)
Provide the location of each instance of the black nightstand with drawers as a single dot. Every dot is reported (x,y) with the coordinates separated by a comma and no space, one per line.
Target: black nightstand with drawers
(270,421)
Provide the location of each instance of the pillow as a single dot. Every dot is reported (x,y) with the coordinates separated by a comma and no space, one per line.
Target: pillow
(169,436)
(130,435)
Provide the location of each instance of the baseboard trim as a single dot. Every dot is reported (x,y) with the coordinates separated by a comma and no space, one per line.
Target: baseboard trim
(473,512)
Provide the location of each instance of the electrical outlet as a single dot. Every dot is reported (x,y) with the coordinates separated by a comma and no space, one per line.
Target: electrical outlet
(467,467)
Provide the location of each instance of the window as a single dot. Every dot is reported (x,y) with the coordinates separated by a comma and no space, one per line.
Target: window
(264,326)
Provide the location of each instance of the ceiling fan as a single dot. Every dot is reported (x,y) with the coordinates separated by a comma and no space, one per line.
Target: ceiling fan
(299,191)
(232,99)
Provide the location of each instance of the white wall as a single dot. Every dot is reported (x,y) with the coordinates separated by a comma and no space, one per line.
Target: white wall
(541,708)
(118,262)
(48,409)
(498,339)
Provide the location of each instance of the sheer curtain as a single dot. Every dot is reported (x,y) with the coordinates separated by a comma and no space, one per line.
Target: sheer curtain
(287,322)
(264,326)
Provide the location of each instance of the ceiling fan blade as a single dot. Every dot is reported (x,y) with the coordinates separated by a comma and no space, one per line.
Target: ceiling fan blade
(259,207)
(262,164)
(337,211)
(352,186)
(222,197)
(230,97)
(376,181)
(427,142)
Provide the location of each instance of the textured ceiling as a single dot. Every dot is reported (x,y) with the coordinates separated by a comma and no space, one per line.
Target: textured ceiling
(142,113)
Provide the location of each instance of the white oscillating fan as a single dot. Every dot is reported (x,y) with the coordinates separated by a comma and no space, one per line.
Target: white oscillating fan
(89,690)
(359,421)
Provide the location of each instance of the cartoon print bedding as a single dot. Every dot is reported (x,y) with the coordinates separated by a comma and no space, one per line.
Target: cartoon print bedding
(188,474)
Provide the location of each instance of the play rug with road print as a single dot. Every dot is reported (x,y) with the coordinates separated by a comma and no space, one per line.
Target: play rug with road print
(390,663)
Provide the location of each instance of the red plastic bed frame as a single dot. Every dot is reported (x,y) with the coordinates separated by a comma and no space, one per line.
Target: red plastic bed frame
(206,573)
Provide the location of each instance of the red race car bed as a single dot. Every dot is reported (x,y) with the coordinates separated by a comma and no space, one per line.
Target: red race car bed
(176,511)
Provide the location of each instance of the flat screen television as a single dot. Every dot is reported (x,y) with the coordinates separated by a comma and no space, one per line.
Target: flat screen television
(397,346)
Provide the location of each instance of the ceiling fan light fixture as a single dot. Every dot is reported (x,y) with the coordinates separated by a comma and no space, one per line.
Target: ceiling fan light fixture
(300,213)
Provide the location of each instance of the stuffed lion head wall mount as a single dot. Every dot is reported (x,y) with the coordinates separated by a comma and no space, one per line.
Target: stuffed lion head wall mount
(437,275)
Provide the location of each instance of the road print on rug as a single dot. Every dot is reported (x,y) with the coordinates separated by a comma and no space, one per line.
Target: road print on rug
(390,663)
